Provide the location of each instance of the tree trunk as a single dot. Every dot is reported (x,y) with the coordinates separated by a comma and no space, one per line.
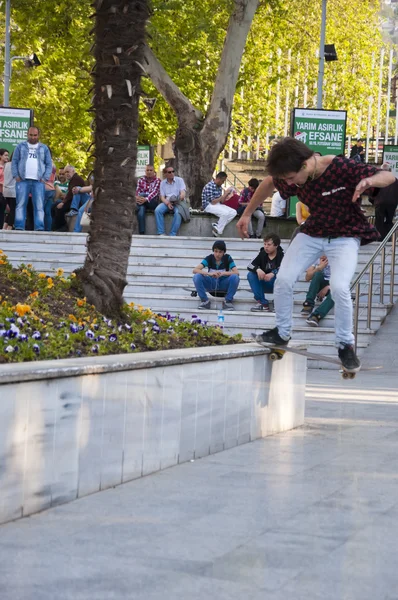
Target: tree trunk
(118,50)
(199,142)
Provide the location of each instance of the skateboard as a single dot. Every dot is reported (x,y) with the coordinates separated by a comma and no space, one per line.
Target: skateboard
(277,353)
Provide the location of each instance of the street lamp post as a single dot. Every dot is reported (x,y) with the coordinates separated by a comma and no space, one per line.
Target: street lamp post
(321,56)
(7,57)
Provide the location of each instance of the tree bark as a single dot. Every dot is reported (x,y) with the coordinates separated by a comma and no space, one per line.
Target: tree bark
(199,142)
(118,50)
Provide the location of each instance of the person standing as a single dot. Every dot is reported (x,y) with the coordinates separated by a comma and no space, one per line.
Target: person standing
(4,157)
(146,196)
(9,195)
(31,168)
(330,186)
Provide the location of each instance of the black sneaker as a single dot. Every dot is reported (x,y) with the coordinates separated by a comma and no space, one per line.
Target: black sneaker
(349,359)
(307,309)
(205,305)
(271,337)
(260,308)
(313,320)
(227,305)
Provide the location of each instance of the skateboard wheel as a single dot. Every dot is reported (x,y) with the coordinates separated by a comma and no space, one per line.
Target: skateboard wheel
(346,375)
(274,356)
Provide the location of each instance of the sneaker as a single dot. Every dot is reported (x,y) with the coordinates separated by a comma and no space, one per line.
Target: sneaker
(227,305)
(214,229)
(260,308)
(313,320)
(307,309)
(271,338)
(72,213)
(349,359)
(162,235)
(205,305)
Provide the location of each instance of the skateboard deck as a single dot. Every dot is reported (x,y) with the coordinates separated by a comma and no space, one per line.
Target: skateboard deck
(277,353)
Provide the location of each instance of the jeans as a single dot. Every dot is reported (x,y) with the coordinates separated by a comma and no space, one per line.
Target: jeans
(260,216)
(78,227)
(48,202)
(23,189)
(160,211)
(304,250)
(141,211)
(318,282)
(228,284)
(78,200)
(259,287)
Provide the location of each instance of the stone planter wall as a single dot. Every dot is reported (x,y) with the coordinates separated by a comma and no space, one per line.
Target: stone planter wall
(72,427)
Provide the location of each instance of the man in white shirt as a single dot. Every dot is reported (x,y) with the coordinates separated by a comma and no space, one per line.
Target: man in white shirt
(278,206)
(31,168)
(172,191)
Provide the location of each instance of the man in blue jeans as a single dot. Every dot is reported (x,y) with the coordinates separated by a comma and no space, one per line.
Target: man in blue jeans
(216,273)
(31,168)
(263,271)
(172,191)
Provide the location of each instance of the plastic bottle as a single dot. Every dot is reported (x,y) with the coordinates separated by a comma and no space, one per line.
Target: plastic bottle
(221,318)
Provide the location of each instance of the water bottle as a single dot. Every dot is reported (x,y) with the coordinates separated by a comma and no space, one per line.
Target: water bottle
(220,318)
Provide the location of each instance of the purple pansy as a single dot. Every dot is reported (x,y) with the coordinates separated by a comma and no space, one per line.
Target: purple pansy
(90,334)
(133,346)
(74,328)
(36,348)
(9,349)
(36,335)
(94,349)
(113,337)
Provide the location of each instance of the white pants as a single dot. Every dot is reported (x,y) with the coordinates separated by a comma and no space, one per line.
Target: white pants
(225,213)
(342,254)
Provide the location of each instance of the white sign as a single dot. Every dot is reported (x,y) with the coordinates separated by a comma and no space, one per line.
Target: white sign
(143,159)
(390,156)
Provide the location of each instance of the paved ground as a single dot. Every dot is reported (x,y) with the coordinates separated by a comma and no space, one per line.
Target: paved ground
(307,515)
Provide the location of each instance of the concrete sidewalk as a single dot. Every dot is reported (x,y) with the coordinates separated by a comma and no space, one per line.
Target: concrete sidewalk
(307,515)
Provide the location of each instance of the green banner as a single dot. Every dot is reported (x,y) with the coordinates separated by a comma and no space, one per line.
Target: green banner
(321,130)
(390,156)
(143,159)
(14,125)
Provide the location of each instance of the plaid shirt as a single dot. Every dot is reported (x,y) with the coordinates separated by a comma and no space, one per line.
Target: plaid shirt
(145,185)
(210,191)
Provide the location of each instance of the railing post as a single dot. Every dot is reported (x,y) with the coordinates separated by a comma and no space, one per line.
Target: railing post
(356,312)
(382,271)
(370,294)
(392,277)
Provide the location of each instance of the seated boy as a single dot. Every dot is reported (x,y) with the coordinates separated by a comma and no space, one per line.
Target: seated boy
(263,271)
(319,275)
(221,275)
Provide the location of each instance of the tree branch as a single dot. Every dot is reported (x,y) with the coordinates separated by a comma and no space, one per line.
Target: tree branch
(184,109)
(219,114)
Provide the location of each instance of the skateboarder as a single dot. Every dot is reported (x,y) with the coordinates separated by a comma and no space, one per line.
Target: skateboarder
(330,186)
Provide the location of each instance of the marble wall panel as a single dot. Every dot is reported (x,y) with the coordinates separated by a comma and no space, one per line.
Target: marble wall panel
(153,421)
(218,406)
(189,400)
(13,425)
(91,422)
(171,422)
(38,471)
(113,428)
(68,398)
(287,393)
(245,403)
(136,383)
(203,412)
(233,400)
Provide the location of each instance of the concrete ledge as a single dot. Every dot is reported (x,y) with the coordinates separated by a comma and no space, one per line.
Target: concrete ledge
(200,226)
(69,428)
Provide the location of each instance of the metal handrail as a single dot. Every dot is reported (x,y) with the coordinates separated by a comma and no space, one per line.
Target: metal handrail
(356,285)
(229,171)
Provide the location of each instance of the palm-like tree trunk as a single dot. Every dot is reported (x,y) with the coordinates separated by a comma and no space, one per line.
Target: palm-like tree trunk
(118,50)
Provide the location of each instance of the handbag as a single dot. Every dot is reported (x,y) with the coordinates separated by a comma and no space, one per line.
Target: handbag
(85,220)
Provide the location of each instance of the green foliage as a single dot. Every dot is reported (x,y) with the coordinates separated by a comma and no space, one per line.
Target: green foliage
(45,317)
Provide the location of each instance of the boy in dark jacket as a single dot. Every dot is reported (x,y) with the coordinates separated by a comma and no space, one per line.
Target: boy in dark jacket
(263,270)
(216,272)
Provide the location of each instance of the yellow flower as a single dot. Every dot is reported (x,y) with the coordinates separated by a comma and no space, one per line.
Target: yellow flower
(34,294)
(29,266)
(26,272)
(72,318)
(63,280)
(22,309)
(81,302)
(42,275)
(1,251)
(60,272)
(2,262)
(72,275)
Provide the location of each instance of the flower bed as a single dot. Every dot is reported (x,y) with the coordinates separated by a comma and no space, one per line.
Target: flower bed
(45,317)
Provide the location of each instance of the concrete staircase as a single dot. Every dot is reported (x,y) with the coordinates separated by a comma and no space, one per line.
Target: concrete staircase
(160,277)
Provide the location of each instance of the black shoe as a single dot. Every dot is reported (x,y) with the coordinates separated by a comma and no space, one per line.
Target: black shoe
(260,308)
(313,320)
(349,359)
(307,309)
(271,338)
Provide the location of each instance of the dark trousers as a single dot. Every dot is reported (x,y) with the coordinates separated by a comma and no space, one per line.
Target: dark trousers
(384,215)
(141,211)
(58,217)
